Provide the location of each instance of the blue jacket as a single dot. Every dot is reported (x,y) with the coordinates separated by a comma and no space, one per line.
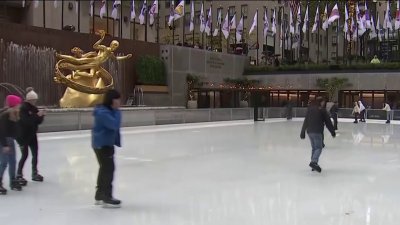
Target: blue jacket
(106,129)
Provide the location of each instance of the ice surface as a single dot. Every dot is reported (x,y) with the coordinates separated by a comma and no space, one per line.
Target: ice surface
(235,173)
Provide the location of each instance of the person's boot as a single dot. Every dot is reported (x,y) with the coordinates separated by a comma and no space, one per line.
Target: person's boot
(15,185)
(387,121)
(111,203)
(37,177)
(315,166)
(21,180)
(3,191)
(99,197)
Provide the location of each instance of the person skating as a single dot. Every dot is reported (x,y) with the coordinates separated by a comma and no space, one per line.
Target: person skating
(362,111)
(334,114)
(356,112)
(386,107)
(8,119)
(30,119)
(106,135)
(314,123)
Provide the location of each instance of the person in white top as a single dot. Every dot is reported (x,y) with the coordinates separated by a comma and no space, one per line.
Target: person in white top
(386,107)
(356,112)
(362,111)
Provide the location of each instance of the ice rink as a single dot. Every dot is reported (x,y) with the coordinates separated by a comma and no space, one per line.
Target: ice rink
(234,173)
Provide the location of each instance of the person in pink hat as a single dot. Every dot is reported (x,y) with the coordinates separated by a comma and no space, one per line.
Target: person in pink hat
(8,130)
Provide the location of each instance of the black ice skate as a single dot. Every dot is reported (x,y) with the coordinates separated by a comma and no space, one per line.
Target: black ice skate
(315,167)
(111,203)
(21,180)
(3,191)
(15,185)
(37,177)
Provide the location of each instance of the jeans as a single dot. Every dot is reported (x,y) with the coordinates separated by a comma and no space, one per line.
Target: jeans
(388,115)
(33,145)
(105,157)
(316,145)
(8,159)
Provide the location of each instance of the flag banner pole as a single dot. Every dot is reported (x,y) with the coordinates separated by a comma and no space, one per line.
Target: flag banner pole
(120,21)
(79,16)
(145,23)
(62,14)
(107,14)
(257,40)
(44,14)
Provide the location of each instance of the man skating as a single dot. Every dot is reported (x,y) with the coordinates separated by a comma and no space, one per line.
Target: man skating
(313,124)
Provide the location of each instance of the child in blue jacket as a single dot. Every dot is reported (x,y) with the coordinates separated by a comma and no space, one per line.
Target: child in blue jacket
(106,135)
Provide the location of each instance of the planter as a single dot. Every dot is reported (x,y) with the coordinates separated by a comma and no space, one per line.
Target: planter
(192,104)
(243,104)
(153,88)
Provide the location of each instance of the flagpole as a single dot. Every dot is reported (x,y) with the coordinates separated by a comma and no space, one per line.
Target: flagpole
(134,27)
(44,14)
(173,31)
(202,33)
(337,40)
(318,38)
(106,4)
(145,24)
(282,34)
(275,32)
(79,16)
(220,27)
(257,46)
(158,22)
(327,35)
(211,36)
(308,32)
(62,14)
(120,20)
(94,4)
(183,25)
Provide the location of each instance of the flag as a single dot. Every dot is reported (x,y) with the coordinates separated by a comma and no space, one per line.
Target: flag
(387,24)
(361,27)
(36,3)
(133,12)
(23,3)
(153,11)
(273,29)
(179,10)
(316,21)
(305,21)
(266,23)
(254,25)
(239,30)
(143,12)
(346,18)
(55,3)
(219,22)
(397,23)
(367,17)
(378,30)
(298,21)
(225,26)
(202,19)
(281,34)
(334,14)
(114,13)
(372,34)
(171,14)
(232,24)
(103,9)
(207,29)
(192,17)
(291,21)
(91,8)
(325,24)
(77,6)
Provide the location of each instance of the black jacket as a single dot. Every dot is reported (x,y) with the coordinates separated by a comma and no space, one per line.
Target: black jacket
(8,128)
(28,123)
(334,109)
(316,119)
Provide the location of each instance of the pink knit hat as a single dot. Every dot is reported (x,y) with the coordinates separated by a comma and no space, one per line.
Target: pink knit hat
(13,100)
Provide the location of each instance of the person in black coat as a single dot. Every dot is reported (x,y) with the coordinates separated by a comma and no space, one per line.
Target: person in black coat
(30,119)
(334,114)
(316,118)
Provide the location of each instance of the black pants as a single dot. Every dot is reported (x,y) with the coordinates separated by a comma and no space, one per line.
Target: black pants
(105,157)
(33,145)
(335,120)
(362,116)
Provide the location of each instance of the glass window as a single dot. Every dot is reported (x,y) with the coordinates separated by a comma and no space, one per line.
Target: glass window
(231,11)
(244,11)
(197,18)
(167,4)
(187,19)
(334,39)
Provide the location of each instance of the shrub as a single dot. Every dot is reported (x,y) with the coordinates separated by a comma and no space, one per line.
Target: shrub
(151,70)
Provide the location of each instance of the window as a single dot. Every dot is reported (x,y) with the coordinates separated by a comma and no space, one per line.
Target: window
(244,11)
(312,38)
(167,4)
(187,19)
(333,55)
(334,40)
(187,2)
(231,12)
(197,18)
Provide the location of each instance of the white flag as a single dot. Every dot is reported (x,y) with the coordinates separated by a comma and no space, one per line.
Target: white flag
(55,3)
(239,30)
(142,15)
(298,21)
(91,8)
(232,24)
(372,34)
(305,21)
(397,22)
(325,25)
(225,26)
(334,14)
(378,30)
(346,17)
(192,17)
(171,13)
(219,22)
(266,23)
(153,11)
(291,24)
(36,3)
(361,27)
(202,19)
(23,3)
(208,23)
(316,21)
(387,24)
(133,11)
(273,29)
(114,13)
(179,10)
(254,25)
(367,17)
(103,9)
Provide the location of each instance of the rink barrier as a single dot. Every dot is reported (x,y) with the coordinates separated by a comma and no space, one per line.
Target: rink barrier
(82,119)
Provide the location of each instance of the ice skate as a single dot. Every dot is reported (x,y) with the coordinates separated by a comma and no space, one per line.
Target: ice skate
(111,203)
(316,167)
(37,177)
(21,180)
(15,185)
(3,191)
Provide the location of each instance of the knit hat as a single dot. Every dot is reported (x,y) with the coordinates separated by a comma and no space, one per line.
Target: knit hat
(13,100)
(32,95)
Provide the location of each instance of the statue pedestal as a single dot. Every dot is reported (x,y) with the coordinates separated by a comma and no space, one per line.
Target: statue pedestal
(76,99)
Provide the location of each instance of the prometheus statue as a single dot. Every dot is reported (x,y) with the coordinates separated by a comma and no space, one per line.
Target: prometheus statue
(88,80)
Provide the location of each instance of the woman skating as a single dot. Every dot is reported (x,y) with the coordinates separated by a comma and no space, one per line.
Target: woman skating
(106,135)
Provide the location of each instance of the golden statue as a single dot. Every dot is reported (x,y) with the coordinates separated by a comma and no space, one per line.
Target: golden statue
(88,80)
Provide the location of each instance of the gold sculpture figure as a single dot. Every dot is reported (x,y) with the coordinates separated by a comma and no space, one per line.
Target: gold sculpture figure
(88,80)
